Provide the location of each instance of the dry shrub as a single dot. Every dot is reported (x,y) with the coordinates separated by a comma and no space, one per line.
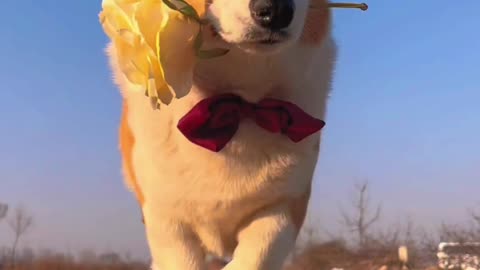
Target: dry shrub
(321,256)
(336,254)
(65,262)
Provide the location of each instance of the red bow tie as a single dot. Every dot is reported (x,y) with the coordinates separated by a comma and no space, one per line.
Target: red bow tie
(213,121)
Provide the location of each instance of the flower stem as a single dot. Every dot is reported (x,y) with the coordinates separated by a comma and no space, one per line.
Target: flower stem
(361,6)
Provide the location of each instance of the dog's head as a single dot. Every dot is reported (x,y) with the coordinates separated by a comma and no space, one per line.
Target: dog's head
(267,26)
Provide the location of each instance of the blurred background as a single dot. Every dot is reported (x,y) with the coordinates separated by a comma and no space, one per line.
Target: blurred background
(402,127)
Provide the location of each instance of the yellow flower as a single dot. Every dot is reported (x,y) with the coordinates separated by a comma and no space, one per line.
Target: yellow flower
(154,46)
(158,41)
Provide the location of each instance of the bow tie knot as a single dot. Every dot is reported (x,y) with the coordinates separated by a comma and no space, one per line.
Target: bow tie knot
(214,121)
(229,111)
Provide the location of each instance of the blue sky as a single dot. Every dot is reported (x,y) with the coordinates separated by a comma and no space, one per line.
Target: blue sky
(403,114)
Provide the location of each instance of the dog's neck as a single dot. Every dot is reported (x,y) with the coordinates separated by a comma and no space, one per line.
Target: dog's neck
(252,76)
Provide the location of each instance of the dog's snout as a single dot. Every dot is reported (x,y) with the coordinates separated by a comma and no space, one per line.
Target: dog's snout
(272,14)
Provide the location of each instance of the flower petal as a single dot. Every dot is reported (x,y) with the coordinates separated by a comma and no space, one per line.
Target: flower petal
(151,16)
(177,54)
(133,65)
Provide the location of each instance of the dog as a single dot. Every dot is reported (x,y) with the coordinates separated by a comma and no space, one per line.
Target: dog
(246,201)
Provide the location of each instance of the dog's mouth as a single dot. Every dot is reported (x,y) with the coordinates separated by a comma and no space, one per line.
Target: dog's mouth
(265,37)
(265,42)
(256,40)
(269,39)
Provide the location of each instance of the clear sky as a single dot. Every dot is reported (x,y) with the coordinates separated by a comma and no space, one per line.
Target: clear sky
(403,114)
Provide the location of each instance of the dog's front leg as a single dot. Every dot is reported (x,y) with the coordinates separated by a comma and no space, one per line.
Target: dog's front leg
(265,242)
(173,246)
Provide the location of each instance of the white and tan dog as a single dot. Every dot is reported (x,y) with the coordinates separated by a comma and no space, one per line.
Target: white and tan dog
(249,200)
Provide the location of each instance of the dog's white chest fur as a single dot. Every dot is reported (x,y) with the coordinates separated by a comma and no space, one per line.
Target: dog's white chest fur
(207,198)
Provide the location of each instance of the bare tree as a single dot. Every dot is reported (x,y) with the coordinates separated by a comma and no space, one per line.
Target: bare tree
(3,210)
(476,217)
(87,256)
(20,222)
(361,218)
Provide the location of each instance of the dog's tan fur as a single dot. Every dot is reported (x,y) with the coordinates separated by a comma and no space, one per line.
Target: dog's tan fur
(249,201)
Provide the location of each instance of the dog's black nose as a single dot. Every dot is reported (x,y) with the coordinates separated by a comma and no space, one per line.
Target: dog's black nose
(272,14)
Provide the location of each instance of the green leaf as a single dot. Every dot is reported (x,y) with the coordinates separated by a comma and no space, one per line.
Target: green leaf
(170,4)
(197,44)
(203,21)
(212,53)
(183,2)
(186,10)
(190,12)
